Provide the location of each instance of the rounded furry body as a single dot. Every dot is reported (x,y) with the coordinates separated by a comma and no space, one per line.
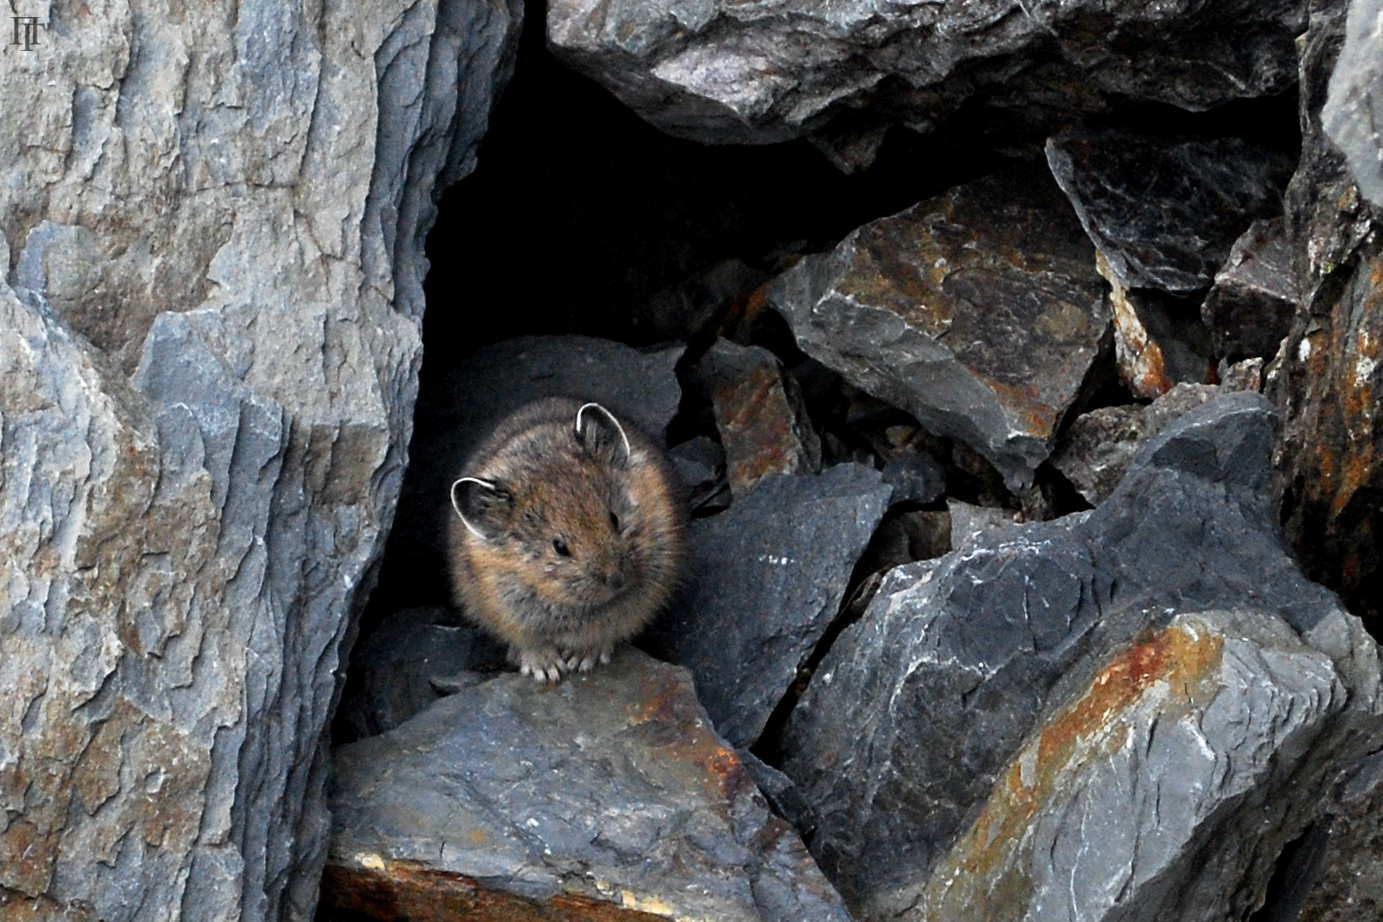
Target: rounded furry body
(567,536)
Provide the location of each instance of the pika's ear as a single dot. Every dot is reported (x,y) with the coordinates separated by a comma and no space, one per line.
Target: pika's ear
(598,430)
(481,505)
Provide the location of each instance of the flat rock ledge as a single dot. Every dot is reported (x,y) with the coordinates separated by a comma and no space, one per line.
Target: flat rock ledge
(609,790)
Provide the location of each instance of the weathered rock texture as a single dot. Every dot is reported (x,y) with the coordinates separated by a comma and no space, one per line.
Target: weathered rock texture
(1059,684)
(764,581)
(1250,308)
(979,312)
(722,72)
(609,787)
(1328,381)
(1353,113)
(210,237)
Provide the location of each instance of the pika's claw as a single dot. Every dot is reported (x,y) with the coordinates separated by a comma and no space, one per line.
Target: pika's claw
(586,660)
(544,665)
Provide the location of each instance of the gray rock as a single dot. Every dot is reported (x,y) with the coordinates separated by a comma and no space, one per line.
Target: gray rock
(209,345)
(765,580)
(639,386)
(721,72)
(610,786)
(1353,112)
(1046,685)
(1165,214)
(396,671)
(1348,885)
(1328,374)
(979,312)
(1249,310)
(968,521)
(1097,449)
(915,476)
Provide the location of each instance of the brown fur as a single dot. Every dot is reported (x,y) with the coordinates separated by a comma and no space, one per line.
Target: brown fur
(574,541)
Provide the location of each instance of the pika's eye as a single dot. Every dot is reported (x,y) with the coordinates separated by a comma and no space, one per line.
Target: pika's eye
(614,520)
(560,547)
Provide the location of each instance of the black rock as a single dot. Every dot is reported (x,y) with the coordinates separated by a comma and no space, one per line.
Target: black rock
(765,579)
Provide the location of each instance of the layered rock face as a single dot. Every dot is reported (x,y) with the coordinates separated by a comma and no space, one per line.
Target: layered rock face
(758,73)
(209,342)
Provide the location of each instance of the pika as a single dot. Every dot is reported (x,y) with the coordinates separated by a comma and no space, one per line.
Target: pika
(568,535)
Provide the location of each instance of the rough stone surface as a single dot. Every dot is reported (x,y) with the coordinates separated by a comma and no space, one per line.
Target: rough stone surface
(1249,310)
(1353,113)
(1096,451)
(610,786)
(396,671)
(211,272)
(980,312)
(991,705)
(722,72)
(1164,214)
(1328,377)
(1159,339)
(765,580)
(759,414)
(453,416)
(1350,887)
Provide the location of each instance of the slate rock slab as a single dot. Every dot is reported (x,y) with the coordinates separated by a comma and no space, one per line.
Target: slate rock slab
(959,694)
(1249,310)
(1164,213)
(733,73)
(765,580)
(211,234)
(759,414)
(979,312)
(610,787)
(456,413)
(1353,112)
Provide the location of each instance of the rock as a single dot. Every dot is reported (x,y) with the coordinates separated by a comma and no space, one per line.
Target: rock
(905,536)
(681,311)
(759,413)
(210,343)
(1159,340)
(765,580)
(725,73)
(636,385)
(1353,112)
(915,476)
(969,521)
(1164,214)
(1349,887)
(979,312)
(1249,310)
(1051,683)
(1328,375)
(609,788)
(700,463)
(395,672)
(1098,448)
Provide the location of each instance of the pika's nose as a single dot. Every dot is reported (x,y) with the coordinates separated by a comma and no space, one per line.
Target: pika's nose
(614,579)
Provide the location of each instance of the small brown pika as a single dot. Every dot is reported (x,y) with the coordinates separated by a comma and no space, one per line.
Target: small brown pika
(568,535)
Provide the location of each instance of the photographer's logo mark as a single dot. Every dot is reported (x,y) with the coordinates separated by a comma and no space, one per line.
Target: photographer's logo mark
(26,32)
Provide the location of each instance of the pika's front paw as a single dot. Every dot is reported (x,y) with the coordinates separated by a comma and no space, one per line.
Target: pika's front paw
(586,660)
(542,663)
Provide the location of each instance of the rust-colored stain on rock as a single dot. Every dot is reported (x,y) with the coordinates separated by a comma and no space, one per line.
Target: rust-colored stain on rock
(992,852)
(401,891)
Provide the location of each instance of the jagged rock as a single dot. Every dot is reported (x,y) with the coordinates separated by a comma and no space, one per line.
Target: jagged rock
(1328,375)
(1164,214)
(720,72)
(915,476)
(1349,861)
(395,672)
(1096,451)
(969,520)
(609,788)
(1159,339)
(765,579)
(979,312)
(759,413)
(1353,113)
(210,344)
(700,463)
(1249,310)
(1049,685)
(639,386)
